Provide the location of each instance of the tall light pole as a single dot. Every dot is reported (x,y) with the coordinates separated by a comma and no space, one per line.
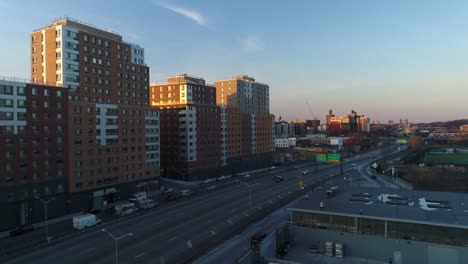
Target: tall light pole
(116,239)
(45,202)
(250,194)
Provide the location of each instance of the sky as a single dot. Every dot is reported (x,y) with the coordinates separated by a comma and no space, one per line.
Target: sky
(385,59)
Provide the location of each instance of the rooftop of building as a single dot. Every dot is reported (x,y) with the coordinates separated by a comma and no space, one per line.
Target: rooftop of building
(426,207)
(87,27)
(242,78)
(184,78)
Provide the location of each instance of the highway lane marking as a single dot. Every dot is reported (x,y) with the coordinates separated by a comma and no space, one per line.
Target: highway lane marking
(139,255)
(86,251)
(245,213)
(213,232)
(172,239)
(229,221)
(189,243)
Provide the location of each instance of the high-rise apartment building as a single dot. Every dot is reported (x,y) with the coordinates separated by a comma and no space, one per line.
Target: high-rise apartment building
(190,127)
(113,133)
(249,123)
(33,125)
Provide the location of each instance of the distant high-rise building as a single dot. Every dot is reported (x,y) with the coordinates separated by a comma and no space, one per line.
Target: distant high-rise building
(363,124)
(329,116)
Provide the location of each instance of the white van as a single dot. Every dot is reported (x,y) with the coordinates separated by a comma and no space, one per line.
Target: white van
(81,222)
(125,209)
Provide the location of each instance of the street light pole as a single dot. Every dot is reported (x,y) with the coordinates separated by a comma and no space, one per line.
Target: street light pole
(116,239)
(45,214)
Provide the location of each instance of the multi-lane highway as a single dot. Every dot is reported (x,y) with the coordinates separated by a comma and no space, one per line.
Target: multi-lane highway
(177,233)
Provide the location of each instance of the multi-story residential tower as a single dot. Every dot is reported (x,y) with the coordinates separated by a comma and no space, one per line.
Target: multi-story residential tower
(113,133)
(190,127)
(33,125)
(248,121)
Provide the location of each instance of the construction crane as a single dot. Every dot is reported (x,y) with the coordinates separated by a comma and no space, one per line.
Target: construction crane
(310,109)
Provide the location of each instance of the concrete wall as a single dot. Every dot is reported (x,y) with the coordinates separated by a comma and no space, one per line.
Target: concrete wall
(380,248)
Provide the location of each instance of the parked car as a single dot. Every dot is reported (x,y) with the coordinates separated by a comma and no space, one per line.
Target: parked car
(26,228)
(278,178)
(81,222)
(125,209)
(137,197)
(147,203)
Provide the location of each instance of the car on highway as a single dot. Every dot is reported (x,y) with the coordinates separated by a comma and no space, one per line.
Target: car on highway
(167,190)
(320,188)
(172,197)
(22,229)
(278,178)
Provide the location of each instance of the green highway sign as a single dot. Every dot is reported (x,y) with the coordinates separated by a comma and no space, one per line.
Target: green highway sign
(321,157)
(333,157)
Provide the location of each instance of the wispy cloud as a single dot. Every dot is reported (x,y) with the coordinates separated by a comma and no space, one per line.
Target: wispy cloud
(253,43)
(188,13)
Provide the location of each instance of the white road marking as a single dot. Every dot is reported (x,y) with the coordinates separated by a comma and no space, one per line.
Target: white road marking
(245,213)
(172,239)
(213,232)
(189,243)
(229,221)
(139,255)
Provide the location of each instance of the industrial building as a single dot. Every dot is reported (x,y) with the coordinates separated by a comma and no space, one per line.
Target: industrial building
(387,225)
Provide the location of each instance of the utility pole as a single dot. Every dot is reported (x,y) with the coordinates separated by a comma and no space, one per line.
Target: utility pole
(116,240)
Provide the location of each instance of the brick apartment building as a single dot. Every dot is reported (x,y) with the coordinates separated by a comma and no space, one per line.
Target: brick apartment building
(248,122)
(113,132)
(109,132)
(33,125)
(190,127)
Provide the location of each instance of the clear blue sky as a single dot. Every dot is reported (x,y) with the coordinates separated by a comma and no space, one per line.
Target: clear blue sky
(385,59)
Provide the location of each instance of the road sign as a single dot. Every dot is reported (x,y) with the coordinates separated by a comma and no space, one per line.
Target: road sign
(333,157)
(321,157)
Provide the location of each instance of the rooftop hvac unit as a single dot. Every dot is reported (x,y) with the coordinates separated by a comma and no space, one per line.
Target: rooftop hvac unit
(339,250)
(329,248)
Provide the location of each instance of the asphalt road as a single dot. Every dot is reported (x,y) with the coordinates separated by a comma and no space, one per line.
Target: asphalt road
(179,232)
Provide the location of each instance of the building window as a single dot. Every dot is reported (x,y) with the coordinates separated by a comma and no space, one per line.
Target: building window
(86,38)
(59,93)
(46,92)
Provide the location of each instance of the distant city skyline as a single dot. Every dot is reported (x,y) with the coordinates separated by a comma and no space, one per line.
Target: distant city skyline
(387,60)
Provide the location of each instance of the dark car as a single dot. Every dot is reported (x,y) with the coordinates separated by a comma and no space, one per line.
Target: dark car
(21,230)
(279,178)
(172,197)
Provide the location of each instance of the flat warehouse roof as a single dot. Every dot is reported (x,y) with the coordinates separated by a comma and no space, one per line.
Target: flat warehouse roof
(427,207)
